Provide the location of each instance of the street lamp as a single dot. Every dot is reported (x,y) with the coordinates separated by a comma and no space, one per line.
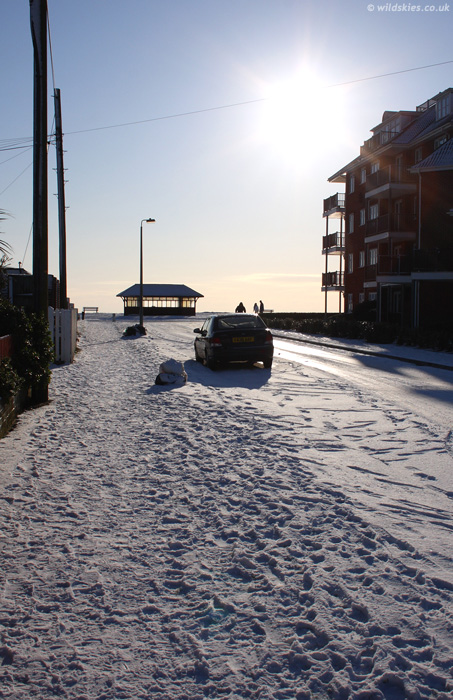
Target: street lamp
(146,221)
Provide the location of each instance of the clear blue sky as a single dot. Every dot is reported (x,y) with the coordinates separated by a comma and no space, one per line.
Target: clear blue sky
(236,192)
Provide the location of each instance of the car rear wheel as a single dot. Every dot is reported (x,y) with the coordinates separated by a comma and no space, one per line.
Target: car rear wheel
(267,363)
(211,364)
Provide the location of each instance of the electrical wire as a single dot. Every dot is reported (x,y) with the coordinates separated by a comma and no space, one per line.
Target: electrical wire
(247,102)
(12,144)
(16,178)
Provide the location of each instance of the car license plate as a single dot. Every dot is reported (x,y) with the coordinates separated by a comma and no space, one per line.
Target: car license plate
(244,339)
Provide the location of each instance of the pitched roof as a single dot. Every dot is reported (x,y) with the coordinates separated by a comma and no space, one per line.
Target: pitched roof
(440,159)
(423,121)
(160,290)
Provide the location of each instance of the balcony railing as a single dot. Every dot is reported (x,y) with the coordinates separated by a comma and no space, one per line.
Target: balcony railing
(333,280)
(334,203)
(387,176)
(440,260)
(394,264)
(333,240)
(390,222)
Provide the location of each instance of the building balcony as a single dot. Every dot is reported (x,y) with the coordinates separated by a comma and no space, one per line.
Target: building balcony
(420,264)
(389,183)
(335,205)
(394,265)
(333,281)
(396,227)
(333,243)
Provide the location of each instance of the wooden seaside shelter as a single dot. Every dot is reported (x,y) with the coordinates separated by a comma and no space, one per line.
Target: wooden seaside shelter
(160,300)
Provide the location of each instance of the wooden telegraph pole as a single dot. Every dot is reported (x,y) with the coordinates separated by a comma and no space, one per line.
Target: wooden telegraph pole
(61,201)
(38,25)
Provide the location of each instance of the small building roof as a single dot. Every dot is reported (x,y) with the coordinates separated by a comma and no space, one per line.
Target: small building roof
(160,290)
(440,159)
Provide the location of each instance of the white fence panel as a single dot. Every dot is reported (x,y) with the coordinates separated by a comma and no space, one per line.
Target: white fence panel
(63,328)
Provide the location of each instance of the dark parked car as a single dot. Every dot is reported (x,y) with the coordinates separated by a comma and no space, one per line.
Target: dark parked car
(234,338)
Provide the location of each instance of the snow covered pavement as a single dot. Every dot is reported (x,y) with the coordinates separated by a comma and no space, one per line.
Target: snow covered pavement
(252,534)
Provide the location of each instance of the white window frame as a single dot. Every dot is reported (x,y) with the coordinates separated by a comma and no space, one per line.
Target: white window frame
(362,258)
(351,262)
(374,166)
(351,184)
(350,303)
(363,176)
(374,211)
(351,223)
(372,256)
(362,217)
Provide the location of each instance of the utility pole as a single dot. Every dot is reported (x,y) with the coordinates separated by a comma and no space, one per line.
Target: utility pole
(61,200)
(38,25)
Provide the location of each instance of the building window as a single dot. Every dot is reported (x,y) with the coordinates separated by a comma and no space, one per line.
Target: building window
(361,297)
(372,256)
(351,262)
(351,184)
(351,223)
(362,258)
(161,302)
(374,211)
(372,296)
(188,303)
(374,167)
(417,155)
(362,176)
(350,304)
(440,141)
(443,107)
(362,217)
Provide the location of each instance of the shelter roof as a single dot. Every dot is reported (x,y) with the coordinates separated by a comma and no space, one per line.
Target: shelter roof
(160,290)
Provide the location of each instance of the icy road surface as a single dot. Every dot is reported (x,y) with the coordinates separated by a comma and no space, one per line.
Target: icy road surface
(252,534)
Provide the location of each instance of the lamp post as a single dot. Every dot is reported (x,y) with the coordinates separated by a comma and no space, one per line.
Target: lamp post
(146,221)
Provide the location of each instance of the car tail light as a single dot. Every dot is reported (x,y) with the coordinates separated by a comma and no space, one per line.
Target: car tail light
(216,341)
(269,338)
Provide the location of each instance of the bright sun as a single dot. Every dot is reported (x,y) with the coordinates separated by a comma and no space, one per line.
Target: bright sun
(296,113)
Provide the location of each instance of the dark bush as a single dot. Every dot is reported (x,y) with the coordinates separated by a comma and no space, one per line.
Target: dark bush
(33,348)
(10,382)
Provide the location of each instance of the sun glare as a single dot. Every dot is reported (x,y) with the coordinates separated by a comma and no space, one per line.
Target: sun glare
(296,113)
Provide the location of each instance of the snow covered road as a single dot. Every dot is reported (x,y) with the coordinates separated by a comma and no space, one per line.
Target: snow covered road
(252,534)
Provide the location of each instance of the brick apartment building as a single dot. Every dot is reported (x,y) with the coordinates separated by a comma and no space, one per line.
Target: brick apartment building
(394,246)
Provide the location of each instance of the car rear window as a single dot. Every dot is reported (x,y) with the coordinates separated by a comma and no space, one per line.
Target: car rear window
(239,322)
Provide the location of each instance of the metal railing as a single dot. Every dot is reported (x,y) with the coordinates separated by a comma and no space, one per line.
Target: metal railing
(333,240)
(390,222)
(440,260)
(333,280)
(388,175)
(335,202)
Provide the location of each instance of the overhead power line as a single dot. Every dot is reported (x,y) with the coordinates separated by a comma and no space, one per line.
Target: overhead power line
(13,144)
(248,102)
